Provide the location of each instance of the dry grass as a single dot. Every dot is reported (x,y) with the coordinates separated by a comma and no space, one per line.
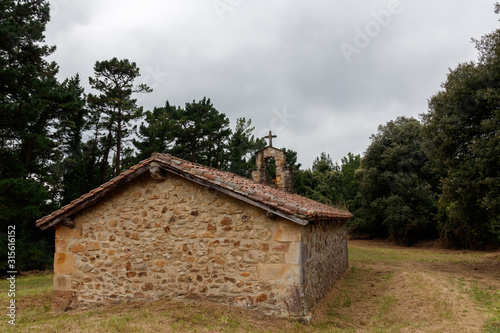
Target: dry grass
(386,289)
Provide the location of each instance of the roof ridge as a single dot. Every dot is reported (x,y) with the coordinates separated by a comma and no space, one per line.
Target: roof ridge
(159,156)
(289,205)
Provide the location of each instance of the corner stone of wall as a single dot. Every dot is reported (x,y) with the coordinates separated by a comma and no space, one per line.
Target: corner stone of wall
(63,297)
(63,300)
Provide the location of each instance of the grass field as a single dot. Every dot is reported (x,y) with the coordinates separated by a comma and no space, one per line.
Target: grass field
(386,289)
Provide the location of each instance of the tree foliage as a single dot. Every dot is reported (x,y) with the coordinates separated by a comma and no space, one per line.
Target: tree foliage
(327,182)
(200,133)
(32,116)
(396,194)
(350,164)
(76,175)
(114,79)
(241,148)
(413,182)
(462,130)
(155,132)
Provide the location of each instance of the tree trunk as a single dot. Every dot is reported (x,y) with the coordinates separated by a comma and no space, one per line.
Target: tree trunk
(104,167)
(118,143)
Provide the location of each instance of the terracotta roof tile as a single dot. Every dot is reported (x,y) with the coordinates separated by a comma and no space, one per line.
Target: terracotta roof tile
(281,201)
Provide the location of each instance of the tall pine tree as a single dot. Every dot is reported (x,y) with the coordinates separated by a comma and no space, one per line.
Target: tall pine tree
(32,112)
(155,133)
(200,133)
(241,148)
(114,79)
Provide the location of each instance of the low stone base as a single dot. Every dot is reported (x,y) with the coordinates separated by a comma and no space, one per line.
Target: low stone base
(63,300)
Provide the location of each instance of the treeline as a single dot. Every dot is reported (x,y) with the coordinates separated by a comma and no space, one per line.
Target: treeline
(439,178)
(415,181)
(58,142)
(435,179)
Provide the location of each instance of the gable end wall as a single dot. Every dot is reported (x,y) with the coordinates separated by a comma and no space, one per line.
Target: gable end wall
(174,238)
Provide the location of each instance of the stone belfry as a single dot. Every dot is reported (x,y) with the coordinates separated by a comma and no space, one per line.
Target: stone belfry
(284,173)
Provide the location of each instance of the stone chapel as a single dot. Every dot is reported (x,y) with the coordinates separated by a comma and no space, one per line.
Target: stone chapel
(170,227)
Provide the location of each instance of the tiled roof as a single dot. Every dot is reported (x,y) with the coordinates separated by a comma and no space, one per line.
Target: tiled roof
(279,202)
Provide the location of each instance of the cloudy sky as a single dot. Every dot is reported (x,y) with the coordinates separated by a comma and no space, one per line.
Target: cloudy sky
(320,74)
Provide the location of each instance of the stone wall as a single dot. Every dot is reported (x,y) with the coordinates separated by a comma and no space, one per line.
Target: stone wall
(325,257)
(174,237)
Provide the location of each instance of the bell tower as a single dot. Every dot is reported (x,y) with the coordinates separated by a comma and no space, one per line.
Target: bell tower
(284,173)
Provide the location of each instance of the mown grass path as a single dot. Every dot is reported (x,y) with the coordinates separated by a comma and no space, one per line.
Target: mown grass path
(386,289)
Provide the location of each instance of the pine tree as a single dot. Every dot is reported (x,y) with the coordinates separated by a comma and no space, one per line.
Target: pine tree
(114,79)
(155,134)
(241,148)
(32,111)
(200,133)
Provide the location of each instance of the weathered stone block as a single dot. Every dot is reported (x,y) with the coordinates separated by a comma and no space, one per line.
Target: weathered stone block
(276,259)
(148,286)
(77,248)
(241,301)
(294,254)
(288,232)
(165,186)
(279,247)
(63,300)
(86,268)
(63,232)
(284,273)
(93,246)
(254,256)
(61,282)
(61,245)
(64,263)
(135,195)
(261,298)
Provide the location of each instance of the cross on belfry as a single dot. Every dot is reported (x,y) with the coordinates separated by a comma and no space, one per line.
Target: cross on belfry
(270,137)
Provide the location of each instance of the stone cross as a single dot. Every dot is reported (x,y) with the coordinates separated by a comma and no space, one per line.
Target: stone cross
(270,137)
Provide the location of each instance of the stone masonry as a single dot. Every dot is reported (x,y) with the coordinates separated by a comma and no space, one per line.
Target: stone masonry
(325,258)
(171,228)
(284,174)
(174,237)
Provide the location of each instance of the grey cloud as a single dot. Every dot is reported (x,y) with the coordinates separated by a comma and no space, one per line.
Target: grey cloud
(257,57)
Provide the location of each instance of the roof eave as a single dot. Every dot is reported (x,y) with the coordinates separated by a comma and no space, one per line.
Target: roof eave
(162,162)
(103,191)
